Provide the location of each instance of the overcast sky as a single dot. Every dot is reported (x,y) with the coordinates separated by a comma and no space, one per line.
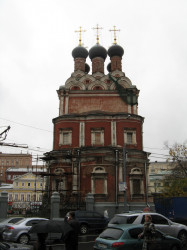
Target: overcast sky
(36,41)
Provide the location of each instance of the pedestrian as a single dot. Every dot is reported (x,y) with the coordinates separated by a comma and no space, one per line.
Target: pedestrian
(41,245)
(148,233)
(71,239)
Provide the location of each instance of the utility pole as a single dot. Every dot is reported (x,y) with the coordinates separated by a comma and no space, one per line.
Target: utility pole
(125,184)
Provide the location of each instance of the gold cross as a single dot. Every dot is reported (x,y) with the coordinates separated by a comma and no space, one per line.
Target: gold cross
(97,28)
(114,34)
(80,31)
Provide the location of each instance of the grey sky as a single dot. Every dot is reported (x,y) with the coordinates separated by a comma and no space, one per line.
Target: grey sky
(36,41)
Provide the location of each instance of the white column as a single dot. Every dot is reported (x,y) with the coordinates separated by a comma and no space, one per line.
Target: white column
(113,133)
(67,104)
(82,134)
(61,106)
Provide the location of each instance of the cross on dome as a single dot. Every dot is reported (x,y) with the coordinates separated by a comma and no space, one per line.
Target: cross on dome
(80,33)
(114,34)
(97,28)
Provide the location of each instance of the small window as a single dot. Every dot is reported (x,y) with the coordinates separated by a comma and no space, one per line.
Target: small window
(130,137)
(65,137)
(97,137)
(29,184)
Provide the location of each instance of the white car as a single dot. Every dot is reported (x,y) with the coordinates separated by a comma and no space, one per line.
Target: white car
(19,232)
(161,223)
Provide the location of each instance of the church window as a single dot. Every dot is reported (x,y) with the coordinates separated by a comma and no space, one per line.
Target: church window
(97,136)
(136,183)
(130,136)
(65,137)
(99,181)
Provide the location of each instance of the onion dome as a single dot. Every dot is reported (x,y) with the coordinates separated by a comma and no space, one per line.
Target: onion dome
(87,68)
(109,67)
(97,51)
(79,52)
(115,50)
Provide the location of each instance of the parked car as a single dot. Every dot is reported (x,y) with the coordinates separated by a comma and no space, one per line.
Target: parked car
(18,232)
(120,237)
(90,221)
(7,221)
(161,222)
(11,246)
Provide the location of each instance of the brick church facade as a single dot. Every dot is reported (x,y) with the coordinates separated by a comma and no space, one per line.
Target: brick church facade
(98,138)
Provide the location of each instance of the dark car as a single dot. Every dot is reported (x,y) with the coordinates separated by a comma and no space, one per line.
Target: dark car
(90,221)
(126,237)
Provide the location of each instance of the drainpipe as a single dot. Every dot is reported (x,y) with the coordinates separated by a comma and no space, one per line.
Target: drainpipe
(79,174)
(116,179)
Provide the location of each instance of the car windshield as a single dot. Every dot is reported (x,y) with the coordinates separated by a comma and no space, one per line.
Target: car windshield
(117,219)
(111,233)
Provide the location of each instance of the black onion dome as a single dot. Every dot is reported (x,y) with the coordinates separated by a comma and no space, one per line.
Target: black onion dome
(115,50)
(109,67)
(87,68)
(79,51)
(97,51)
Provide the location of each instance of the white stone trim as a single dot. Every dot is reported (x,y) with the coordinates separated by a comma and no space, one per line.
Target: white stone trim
(67,104)
(82,134)
(113,133)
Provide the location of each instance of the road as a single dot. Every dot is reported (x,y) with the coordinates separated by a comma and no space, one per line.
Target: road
(85,243)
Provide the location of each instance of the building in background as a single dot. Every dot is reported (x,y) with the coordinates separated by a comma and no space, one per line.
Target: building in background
(14,172)
(158,171)
(13,161)
(98,135)
(25,193)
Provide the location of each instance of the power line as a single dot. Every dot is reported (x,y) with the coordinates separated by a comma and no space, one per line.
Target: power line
(26,125)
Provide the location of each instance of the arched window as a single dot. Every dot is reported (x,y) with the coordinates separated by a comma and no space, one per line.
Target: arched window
(99,181)
(136,183)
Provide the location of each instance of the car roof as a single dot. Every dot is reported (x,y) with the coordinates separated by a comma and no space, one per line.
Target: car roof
(135,213)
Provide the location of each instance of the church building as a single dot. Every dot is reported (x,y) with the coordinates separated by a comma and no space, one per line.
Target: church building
(98,134)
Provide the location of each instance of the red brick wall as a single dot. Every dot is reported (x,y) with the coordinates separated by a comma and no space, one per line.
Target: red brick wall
(90,103)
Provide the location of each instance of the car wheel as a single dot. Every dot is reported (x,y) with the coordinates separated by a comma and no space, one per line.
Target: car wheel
(23,239)
(84,229)
(182,236)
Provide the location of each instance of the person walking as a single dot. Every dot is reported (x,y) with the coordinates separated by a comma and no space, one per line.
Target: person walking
(148,233)
(41,241)
(71,239)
